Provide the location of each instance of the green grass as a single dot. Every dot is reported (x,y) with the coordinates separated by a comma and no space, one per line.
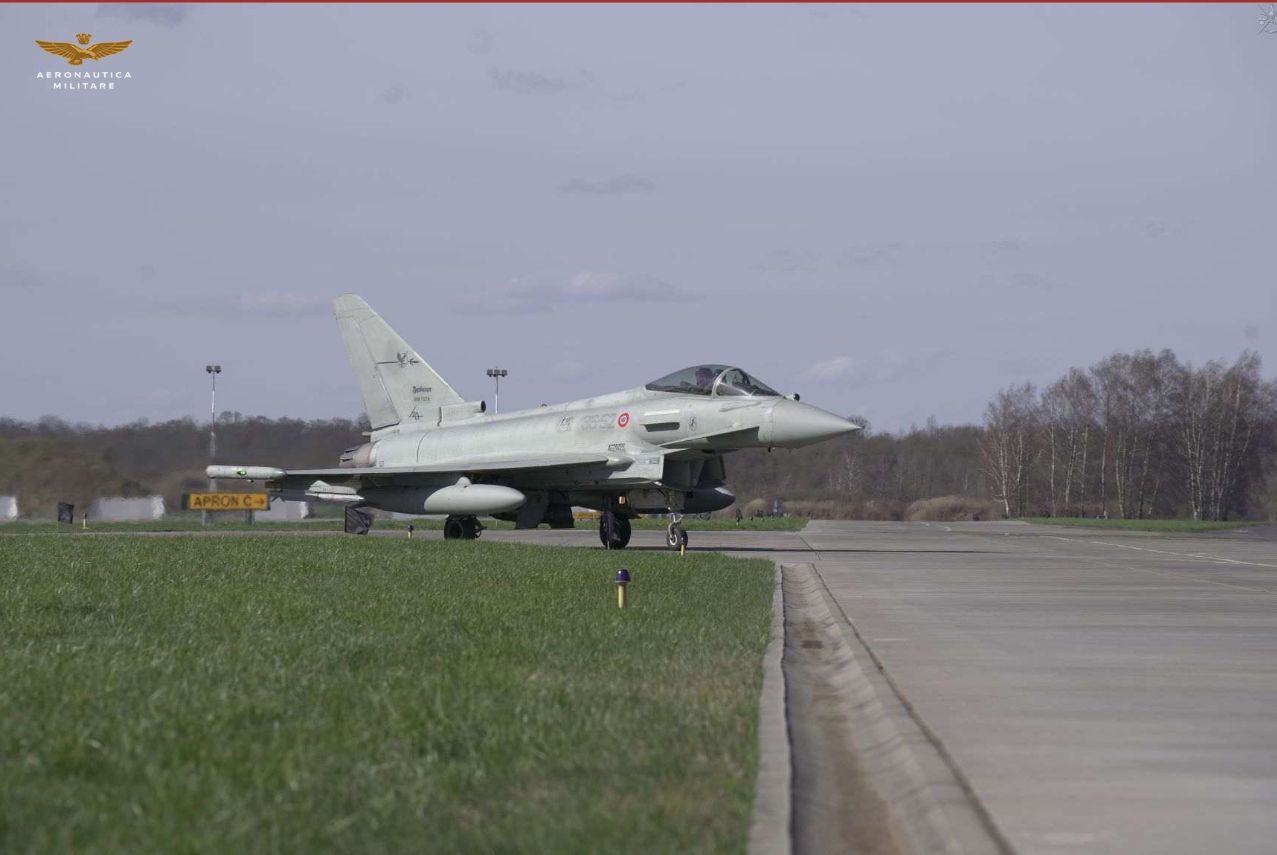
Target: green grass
(176,523)
(1141,525)
(235,522)
(374,695)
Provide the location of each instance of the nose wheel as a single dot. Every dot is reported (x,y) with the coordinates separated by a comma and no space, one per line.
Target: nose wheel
(461,528)
(614,530)
(675,534)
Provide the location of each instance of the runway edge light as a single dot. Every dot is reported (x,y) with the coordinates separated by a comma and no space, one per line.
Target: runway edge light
(622,579)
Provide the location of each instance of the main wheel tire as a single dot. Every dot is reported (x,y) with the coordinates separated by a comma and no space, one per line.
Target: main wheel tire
(614,530)
(454,528)
(470,528)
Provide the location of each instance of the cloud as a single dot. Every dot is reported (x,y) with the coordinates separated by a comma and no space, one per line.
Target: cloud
(1033,282)
(480,42)
(569,370)
(1002,247)
(873,255)
(283,304)
(160,14)
(828,369)
(393,94)
(268,304)
(594,93)
(19,279)
(536,83)
(824,11)
(592,287)
(615,186)
(625,99)
(886,366)
(530,296)
(1019,280)
(1251,332)
(789,261)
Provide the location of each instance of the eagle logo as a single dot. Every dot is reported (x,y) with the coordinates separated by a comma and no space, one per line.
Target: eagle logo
(75,55)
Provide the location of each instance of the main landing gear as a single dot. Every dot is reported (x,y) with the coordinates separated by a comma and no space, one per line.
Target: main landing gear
(614,530)
(675,534)
(461,528)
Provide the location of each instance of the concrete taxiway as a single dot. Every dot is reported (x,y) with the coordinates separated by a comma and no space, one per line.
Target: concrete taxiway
(1087,691)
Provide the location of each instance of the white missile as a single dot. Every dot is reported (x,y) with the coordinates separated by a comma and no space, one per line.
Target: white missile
(244,473)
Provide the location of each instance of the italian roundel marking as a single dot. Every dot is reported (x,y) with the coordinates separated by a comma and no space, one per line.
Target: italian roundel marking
(623,419)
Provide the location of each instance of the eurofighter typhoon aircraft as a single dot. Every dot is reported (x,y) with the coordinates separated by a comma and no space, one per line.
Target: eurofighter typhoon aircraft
(657,449)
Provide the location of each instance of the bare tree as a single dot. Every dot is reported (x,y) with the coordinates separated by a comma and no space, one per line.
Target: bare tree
(1134,394)
(1223,423)
(1008,445)
(1068,412)
(1196,395)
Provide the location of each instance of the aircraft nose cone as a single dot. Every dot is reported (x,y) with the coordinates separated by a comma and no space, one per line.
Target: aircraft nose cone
(795,424)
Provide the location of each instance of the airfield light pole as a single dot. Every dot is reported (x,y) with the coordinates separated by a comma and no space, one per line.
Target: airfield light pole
(212,371)
(496,374)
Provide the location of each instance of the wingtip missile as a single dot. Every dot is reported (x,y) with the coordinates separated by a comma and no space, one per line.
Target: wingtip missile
(244,473)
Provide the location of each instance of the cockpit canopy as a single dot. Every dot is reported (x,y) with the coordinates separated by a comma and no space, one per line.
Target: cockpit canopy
(719,380)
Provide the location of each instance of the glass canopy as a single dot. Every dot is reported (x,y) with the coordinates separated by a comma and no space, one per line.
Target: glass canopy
(721,380)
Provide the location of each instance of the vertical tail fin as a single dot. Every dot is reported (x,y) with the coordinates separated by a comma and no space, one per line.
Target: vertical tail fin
(397,385)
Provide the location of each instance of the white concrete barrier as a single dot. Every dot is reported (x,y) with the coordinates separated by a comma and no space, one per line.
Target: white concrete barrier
(118,509)
(282,511)
(8,508)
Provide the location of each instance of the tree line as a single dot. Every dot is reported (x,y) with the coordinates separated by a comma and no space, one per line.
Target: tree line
(1135,435)
(50,460)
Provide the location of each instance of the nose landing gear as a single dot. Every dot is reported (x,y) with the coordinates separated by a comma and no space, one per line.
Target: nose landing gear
(614,530)
(675,534)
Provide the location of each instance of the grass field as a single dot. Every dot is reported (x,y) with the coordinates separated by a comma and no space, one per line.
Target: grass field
(1141,525)
(235,522)
(374,695)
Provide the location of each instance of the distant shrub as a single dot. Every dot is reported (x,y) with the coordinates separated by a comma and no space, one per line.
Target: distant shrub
(843,509)
(952,508)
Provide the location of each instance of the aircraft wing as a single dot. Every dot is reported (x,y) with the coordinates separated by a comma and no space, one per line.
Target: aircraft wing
(487,466)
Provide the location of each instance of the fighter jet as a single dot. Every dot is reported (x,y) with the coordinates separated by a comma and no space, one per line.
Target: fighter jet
(657,449)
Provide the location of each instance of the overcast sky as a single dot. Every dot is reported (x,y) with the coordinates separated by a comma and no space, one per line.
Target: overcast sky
(893,210)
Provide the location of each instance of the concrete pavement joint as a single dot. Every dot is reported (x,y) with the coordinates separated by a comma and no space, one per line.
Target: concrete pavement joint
(1187,554)
(1168,572)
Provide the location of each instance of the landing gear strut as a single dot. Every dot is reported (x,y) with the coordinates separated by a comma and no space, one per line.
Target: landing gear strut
(675,534)
(461,528)
(614,530)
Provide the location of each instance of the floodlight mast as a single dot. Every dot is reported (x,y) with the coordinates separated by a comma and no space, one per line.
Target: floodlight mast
(212,371)
(496,374)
